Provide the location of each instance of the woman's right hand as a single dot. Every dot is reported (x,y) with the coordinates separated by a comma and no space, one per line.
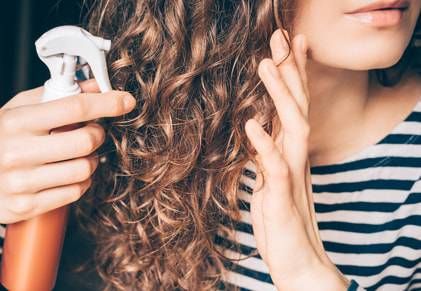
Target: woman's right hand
(40,171)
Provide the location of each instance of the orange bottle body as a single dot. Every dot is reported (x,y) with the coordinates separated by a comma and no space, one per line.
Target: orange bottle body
(32,250)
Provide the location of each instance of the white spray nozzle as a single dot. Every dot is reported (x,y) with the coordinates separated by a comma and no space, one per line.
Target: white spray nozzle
(59,49)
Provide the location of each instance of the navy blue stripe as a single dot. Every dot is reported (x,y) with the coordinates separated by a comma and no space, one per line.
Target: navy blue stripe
(414,116)
(242,226)
(409,162)
(370,228)
(412,198)
(380,248)
(228,287)
(389,184)
(374,270)
(413,282)
(243,205)
(393,280)
(249,173)
(237,247)
(400,138)
(353,285)
(245,188)
(348,226)
(264,277)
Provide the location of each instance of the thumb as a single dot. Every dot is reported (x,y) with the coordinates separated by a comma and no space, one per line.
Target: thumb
(89,86)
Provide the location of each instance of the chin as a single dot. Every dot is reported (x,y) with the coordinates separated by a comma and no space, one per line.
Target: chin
(359,58)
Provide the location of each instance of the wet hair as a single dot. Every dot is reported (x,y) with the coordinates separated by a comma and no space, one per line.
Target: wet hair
(169,186)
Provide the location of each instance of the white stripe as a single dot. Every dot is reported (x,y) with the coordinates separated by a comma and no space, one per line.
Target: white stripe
(401,150)
(393,150)
(362,175)
(247,181)
(245,216)
(409,127)
(248,282)
(370,217)
(367,195)
(347,237)
(244,196)
(251,263)
(246,239)
(251,166)
(372,260)
(243,238)
(386,237)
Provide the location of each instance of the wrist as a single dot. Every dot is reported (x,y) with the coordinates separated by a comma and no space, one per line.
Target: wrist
(318,277)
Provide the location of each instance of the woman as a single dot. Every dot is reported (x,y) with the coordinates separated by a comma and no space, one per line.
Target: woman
(208,183)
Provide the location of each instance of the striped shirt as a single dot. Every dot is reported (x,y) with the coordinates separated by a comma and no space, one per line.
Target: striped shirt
(368,209)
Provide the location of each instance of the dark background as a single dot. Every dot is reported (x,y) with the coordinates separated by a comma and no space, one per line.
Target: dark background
(21,23)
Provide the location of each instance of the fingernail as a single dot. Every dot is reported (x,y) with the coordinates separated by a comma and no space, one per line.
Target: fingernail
(282,39)
(260,131)
(129,102)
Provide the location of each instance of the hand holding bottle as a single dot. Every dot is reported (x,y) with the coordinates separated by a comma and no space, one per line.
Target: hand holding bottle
(40,171)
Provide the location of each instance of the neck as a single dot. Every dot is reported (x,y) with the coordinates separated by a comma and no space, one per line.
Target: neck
(339,99)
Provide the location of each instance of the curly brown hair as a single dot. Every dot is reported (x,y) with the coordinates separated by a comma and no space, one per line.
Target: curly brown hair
(171,178)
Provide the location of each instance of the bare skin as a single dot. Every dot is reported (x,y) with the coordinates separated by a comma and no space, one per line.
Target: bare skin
(341,127)
(348,111)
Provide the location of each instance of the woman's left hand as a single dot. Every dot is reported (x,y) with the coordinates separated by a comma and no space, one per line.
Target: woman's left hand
(282,210)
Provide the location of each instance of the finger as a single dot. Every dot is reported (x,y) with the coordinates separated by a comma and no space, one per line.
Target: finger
(49,176)
(313,228)
(295,128)
(89,86)
(300,48)
(286,106)
(30,205)
(40,118)
(256,211)
(275,169)
(288,68)
(60,146)
(33,96)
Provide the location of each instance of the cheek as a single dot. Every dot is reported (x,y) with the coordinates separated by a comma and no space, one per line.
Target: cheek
(338,42)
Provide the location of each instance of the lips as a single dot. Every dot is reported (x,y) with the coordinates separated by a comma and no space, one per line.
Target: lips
(382,5)
(380,13)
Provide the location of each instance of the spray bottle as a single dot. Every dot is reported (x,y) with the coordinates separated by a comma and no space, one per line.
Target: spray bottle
(32,248)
